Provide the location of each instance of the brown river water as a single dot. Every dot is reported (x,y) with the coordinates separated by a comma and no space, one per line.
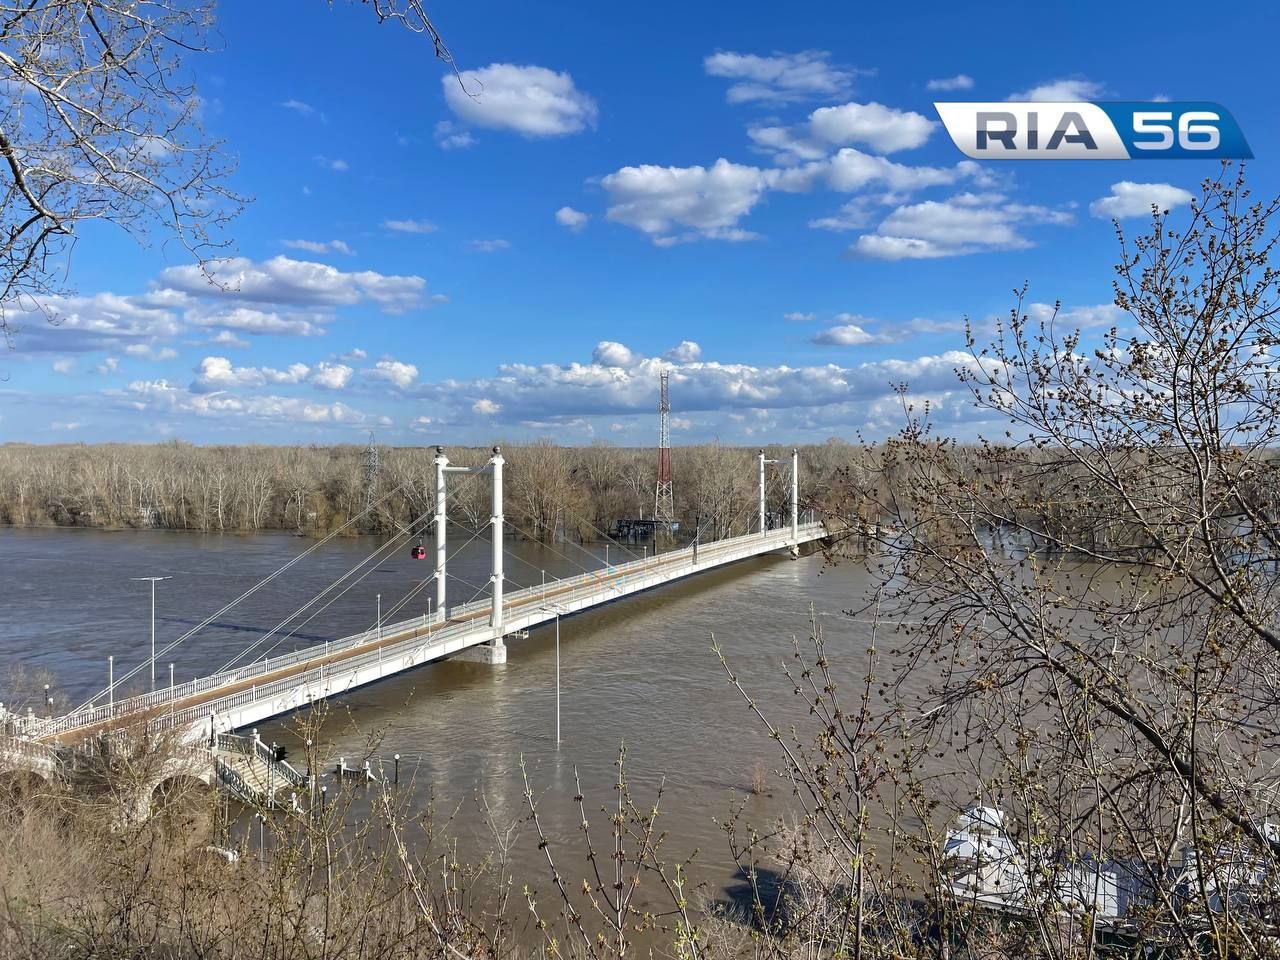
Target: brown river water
(639,671)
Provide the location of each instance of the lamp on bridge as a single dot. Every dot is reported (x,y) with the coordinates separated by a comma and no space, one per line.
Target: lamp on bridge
(152,581)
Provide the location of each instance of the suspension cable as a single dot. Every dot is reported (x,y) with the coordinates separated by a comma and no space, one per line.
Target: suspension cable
(246,594)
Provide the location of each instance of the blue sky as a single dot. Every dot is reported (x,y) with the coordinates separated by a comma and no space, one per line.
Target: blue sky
(764,203)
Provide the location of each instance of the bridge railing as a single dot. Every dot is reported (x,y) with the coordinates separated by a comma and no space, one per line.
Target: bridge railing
(616,579)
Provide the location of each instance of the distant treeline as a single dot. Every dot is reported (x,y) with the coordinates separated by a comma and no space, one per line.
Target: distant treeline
(315,489)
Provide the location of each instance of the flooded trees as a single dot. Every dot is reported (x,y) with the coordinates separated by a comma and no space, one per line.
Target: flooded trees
(1090,607)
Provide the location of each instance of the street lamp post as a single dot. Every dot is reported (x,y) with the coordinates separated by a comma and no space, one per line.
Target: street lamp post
(152,581)
(557,679)
(379,616)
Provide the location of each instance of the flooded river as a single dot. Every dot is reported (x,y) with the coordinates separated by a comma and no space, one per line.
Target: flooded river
(638,671)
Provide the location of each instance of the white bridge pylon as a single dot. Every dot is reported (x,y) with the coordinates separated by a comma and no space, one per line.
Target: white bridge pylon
(496,520)
(795,493)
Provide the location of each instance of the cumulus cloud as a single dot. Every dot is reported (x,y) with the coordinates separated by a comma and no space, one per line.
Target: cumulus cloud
(796,316)
(410,226)
(781,77)
(163,397)
(101,321)
(854,214)
(218,373)
(283,280)
(258,322)
(490,246)
(1129,199)
(225,338)
(449,136)
(960,81)
(619,382)
(850,331)
(331,376)
(609,353)
(686,351)
(1068,89)
(530,100)
(964,224)
(575,220)
(710,200)
(393,371)
(64,365)
(677,204)
(148,351)
(872,125)
(319,246)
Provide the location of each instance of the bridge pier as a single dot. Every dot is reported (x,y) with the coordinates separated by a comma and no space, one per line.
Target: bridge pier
(493,653)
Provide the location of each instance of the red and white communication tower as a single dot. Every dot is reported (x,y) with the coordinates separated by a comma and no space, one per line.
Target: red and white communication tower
(664,508)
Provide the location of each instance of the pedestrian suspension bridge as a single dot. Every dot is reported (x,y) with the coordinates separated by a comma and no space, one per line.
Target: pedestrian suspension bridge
(204,711)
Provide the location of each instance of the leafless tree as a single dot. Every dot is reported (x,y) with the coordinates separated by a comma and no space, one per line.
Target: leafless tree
(101,121)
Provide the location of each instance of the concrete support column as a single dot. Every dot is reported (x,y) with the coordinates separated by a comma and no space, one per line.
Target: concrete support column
(795,495)
(442,521)
(763,529)
(495,618)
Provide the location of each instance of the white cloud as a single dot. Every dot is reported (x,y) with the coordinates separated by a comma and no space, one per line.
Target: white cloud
(575,220)
(780,78)
(64,365)
(619,382)
(1066,89)
(681,423)
(256,322)
(319,246)
(449,136)
(530,100)
(355,353)
(883,129)
(218,373)
(686,351)
(108,365)
(283,280)
(304,110)
(394,372)
(710,200)
(225,338)
(1129,199)
(330,376)
(65,425)
(797,317)
(960,81)
(490,246)
(147,351)
(410,226)
(852,215)
(609,353)
(160,396)
(879,128)
(850,332)
(678,204)
(102,321)
(964,224)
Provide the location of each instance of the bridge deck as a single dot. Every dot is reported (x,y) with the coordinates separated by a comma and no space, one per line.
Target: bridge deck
(254,692)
